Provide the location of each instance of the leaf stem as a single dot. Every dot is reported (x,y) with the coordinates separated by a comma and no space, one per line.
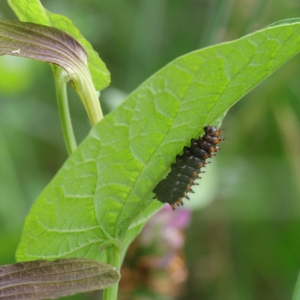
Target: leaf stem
(60,80)
(113,255)
(83,85)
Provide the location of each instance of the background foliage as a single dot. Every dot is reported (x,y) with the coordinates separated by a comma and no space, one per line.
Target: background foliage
(249,233)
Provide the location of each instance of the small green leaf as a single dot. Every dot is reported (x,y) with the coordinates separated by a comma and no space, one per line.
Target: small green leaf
(33,11)
(105,187)
(43,279)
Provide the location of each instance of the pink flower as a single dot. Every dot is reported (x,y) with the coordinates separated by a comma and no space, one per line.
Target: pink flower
(164,229)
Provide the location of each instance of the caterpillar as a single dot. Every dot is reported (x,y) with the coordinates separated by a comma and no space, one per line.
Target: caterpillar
(187,167)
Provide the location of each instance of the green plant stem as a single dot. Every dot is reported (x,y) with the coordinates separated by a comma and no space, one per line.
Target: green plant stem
(83,84)
(296,295)
(60,79)
(113,254)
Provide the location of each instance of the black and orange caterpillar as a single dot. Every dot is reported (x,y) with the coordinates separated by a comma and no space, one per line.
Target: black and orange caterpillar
(185,170)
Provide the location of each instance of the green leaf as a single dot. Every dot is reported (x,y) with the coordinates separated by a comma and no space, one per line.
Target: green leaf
(33,11)
(42,279)
(105,187)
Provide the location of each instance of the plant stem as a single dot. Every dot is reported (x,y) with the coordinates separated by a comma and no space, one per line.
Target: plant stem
(83,85)
(60,80)
(111,293)
(113,254)
(296,295)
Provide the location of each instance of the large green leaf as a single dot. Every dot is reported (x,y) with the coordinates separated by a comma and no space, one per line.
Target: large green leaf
(33,11)
(104,190)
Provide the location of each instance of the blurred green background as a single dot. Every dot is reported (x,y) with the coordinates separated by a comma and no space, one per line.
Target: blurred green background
(248,233)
